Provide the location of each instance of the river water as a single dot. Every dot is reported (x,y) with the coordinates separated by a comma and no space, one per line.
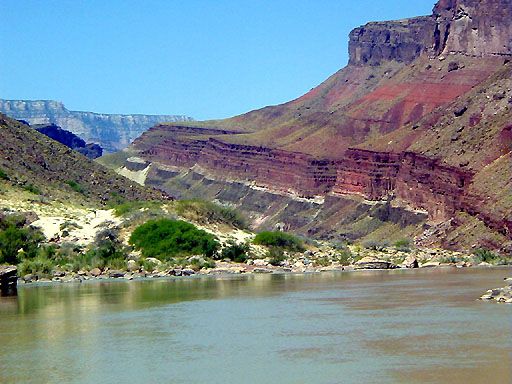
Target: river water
(413,326)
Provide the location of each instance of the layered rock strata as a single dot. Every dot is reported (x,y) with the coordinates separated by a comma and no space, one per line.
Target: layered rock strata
(420,182)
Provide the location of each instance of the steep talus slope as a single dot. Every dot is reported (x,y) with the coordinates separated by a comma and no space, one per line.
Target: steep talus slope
(112,131)
(30,160)
(416,126)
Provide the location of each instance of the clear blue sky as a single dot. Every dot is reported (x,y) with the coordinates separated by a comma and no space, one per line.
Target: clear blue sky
(206,59)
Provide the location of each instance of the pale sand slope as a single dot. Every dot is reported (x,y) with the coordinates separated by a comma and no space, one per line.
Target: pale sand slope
(88,224)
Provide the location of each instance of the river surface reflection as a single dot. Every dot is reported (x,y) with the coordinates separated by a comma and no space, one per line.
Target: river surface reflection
(421,326)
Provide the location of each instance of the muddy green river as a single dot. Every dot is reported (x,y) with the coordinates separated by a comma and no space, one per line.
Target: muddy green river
(413,326)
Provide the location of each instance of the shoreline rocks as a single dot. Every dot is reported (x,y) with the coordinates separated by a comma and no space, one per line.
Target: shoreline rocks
(500,295)
(370,262)
(8,280)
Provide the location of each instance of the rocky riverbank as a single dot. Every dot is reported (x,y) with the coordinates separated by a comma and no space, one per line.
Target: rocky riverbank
(251,266)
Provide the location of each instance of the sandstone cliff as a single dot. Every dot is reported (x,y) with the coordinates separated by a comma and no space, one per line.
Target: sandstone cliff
(468,27)
(112,132)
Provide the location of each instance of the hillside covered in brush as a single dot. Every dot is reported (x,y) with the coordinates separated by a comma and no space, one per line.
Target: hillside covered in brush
(411,138)
(33,162)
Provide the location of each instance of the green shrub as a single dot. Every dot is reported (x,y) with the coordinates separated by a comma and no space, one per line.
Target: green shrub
(3,175)
(276,255)
(148,265)
(13,239)
(375,245)
(279,239)
(87,261)
(127,207)
(117,263)
(76,187)
(208,212)
(40,266)
(165,237)
(484,255)
(450,259)
(403,245)
(236,252)
(344,256)
(32,189)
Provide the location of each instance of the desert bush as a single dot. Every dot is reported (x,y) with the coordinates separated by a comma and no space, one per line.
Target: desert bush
(208,212)
(76,187)
(87,261)
(148,265)
(344,256)
(450,259)
(484,255)
(3,175)
(40,265)
(14,238)
(403,245)
(280,240)
(276,255)
(375,245)
(32,189)
(236,252)
(117,263)
(132,206)
(165,237)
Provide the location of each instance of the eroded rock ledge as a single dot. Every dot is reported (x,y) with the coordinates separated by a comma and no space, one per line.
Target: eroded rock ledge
(419,182)
(468,27)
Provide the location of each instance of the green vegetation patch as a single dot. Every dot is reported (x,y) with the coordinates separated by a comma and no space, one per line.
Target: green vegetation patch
(208,212)
(236,252)
(484,255)
(32,189)
(166,238)
(3,175)
(279,239)
(17,241)
(76,187)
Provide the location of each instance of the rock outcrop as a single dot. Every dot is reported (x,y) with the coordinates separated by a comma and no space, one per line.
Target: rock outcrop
(69,139)
(473,27)
(370,262)
(468,27)
(401,40)
(422,183)
(112,132)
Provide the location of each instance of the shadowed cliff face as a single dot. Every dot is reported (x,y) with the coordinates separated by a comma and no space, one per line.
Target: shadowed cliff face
(69,139)
(473,27)
(416,118)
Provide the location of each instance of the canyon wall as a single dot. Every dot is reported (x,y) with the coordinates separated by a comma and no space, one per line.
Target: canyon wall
(112,132)
(419,182)
(467,27)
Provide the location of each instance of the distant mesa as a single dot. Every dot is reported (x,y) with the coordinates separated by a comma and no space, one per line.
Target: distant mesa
(112,132)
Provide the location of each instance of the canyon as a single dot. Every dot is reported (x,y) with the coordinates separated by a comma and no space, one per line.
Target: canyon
(412,136)
(112,132)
